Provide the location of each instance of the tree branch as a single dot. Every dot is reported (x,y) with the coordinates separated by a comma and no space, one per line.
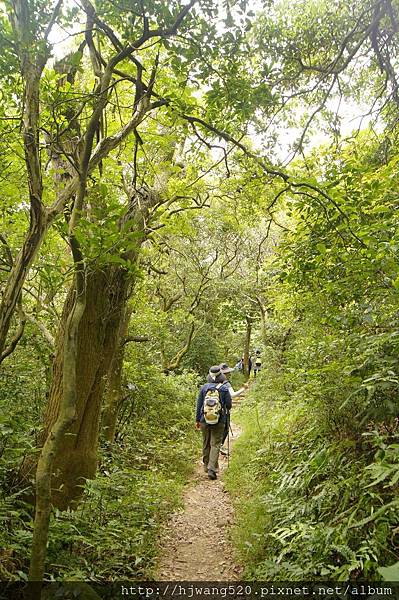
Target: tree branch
(17,335)
(46,333)
(176,360)
(134,338)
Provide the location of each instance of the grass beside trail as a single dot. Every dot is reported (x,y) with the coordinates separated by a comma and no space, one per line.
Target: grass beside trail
(264,428)
(311,506)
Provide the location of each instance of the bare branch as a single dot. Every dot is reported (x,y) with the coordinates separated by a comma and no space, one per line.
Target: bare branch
(17,335)
(53,18)
(10,260)
(176,360)
(135,338)
(43,329)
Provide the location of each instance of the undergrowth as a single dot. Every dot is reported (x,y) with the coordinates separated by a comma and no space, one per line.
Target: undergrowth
(114,532)
(309,505)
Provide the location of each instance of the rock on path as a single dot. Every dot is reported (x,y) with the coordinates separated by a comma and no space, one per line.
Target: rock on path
(195,543)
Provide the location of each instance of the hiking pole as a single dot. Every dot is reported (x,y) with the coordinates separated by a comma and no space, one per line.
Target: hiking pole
(231,429)
(228,447)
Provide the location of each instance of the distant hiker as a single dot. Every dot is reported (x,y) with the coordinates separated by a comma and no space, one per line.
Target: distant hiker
(225,369)
(213,404)
(240,365)
(257,363)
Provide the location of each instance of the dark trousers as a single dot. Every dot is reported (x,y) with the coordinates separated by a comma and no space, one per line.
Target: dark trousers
(226,428)
(211,442)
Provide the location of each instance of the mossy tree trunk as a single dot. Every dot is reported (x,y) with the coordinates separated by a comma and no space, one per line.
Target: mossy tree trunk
(97,339)
(114,384)
(108,288)
(54,440)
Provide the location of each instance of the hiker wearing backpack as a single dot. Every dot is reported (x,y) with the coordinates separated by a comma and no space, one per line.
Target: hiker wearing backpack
(257,363)
(226,370)
(213,405)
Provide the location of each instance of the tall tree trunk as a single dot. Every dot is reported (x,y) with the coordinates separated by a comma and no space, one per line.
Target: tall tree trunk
(247,343)
(32,63)
(55,440)
(66,414)
(114,384)
(106,296)
(107,291)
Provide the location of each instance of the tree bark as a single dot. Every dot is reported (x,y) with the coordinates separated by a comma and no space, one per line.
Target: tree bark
(55,440)
(37,231)
(106,296)
(32,64)
(18,333)
(107,291)
(114,384)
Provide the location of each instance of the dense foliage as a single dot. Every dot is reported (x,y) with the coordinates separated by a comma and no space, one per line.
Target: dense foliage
(183,183)
(321,441)
(113,533)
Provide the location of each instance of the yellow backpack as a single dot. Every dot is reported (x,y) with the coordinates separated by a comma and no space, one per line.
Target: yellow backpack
(212,405)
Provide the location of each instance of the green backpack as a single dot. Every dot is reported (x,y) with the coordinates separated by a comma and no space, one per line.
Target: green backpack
(212,405)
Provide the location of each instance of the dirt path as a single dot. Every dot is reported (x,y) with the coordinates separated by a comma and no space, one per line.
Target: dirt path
(195,543)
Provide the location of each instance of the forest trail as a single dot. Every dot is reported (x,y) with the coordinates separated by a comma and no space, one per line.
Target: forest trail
(201,527)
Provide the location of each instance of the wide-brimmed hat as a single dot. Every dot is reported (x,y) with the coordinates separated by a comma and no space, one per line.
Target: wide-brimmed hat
(215,371)
(225,368)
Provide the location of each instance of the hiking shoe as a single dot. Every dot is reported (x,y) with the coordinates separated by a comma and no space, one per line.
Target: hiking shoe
(211,474)
(223,451)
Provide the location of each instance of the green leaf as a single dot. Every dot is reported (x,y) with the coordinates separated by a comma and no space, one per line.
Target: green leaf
(390,573)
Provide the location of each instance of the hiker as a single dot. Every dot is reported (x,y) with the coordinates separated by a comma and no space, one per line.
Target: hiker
(213,404)
(257,363)
(226,370)
(240,365)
